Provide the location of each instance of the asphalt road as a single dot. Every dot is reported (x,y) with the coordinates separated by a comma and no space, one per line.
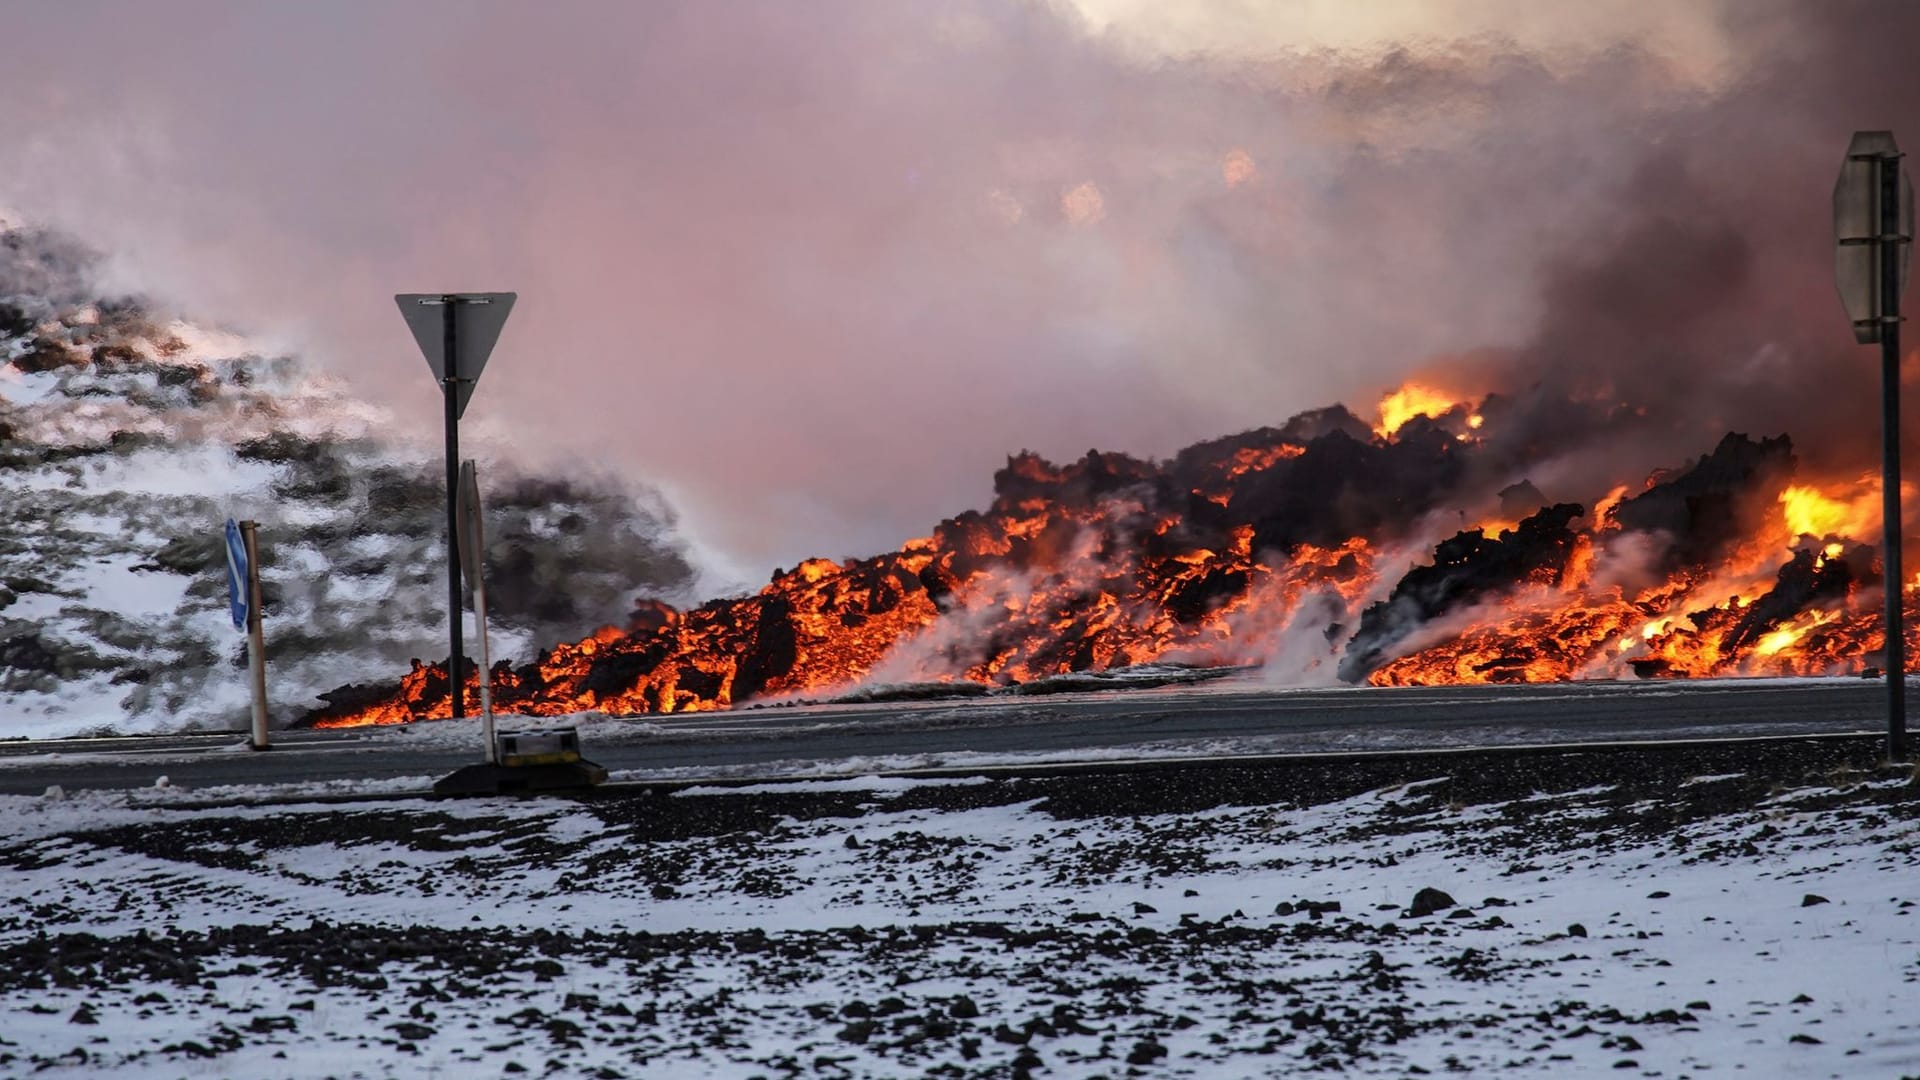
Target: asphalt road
(1213,719)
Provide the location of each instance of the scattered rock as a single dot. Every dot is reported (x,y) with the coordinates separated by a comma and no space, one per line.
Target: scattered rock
(1811,899)
(1146,1052)
(1427,901)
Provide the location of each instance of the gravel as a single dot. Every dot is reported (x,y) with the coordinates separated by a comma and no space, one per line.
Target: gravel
(1632,914)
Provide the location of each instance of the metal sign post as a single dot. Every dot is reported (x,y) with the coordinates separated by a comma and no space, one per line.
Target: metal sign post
(456,332)
(243,601)
(473,559)
(1873,233)
(520,761)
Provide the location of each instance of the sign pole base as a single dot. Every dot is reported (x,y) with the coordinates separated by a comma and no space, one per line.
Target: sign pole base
(485,779)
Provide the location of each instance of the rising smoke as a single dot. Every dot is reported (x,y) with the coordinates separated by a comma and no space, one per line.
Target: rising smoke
(817,268)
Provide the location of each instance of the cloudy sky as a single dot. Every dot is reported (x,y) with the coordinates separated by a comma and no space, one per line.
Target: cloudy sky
(816,269)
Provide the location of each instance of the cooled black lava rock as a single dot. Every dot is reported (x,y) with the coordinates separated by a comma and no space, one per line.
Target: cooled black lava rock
(1427,901)
(1708,506)
(1146,1052)
(1810,577)
(1466,569)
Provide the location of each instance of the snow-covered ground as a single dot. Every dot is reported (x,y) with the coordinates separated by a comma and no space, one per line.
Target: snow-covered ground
(1645,919)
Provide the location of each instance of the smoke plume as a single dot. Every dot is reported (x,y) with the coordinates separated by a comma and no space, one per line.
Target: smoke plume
(816,269)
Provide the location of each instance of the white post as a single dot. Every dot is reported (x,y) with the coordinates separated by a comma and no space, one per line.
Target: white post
(256,639)
(486,661)
(472,539)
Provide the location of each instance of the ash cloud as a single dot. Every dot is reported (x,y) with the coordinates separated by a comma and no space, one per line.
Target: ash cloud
(816,269)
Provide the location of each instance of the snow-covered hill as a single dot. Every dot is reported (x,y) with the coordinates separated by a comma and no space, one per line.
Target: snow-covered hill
(128,435)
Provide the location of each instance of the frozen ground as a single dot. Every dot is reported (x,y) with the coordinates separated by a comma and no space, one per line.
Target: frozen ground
(1636,916)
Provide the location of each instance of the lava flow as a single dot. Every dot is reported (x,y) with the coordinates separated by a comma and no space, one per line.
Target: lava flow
(1410,551)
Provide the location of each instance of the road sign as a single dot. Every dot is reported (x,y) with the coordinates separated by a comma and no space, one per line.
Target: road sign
(1858,219)
(456,332)
(1873,234)
(474,325)
(237,598)
(472,534)
(473,563)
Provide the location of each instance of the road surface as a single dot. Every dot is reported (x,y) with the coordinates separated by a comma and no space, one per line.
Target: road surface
(1224,718)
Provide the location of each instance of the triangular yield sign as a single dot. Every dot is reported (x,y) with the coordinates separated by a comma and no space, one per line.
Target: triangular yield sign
(478,318)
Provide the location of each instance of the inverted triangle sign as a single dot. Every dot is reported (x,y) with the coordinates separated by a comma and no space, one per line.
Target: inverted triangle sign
(478,318)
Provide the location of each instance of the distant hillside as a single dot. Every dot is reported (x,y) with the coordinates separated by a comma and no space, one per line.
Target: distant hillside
(127,436)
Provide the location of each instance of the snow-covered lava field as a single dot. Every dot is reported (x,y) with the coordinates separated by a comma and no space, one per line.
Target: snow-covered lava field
(1745,910)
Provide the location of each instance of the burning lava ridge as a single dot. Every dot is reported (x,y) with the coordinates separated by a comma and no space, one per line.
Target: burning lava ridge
(1412,551)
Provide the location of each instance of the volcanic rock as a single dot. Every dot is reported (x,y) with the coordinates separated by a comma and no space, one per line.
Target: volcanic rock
(1146,1052)
(1809,577)
(1466,569)
(1427,901)
(1706,507)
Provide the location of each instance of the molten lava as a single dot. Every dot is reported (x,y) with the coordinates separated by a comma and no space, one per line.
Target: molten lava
(1417,399)
(1318,548)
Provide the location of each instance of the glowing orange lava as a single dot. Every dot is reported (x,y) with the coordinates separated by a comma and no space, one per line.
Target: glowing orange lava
(1300,548)
(1416,399)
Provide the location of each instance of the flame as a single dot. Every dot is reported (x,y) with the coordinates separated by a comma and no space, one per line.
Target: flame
(1603,510)
(1782,638)
(1851,511)
(1410,400)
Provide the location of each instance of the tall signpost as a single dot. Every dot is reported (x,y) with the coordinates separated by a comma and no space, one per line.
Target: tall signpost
(456,332)
(1873,233)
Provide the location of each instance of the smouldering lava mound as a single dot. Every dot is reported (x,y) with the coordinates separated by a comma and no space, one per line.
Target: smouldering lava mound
(1413,551)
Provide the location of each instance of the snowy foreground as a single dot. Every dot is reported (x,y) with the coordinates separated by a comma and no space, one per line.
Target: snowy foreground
(1634,916)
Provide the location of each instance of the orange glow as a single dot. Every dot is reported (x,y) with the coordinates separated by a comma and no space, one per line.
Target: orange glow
(1237,168)
(1778,640)
(1084,205)
(1411,400)
(1851,511)
(1603,510)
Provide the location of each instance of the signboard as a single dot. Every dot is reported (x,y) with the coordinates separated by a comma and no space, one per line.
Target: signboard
(472,538)
(475,326)
(237,575)
(1857,223)
(1873,238)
